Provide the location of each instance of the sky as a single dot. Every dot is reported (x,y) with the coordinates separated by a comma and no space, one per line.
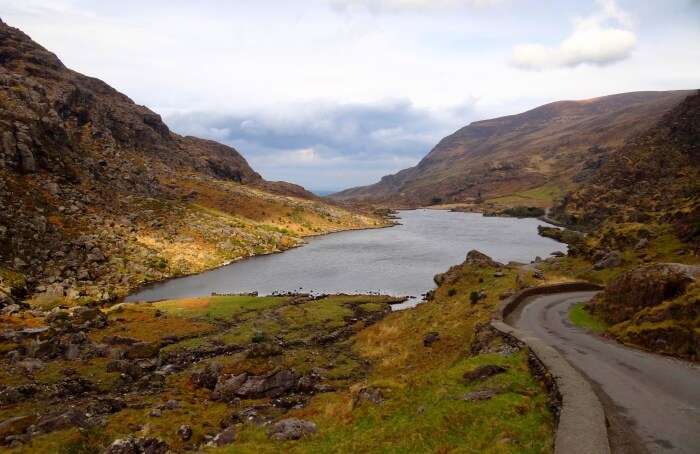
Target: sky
(331,94)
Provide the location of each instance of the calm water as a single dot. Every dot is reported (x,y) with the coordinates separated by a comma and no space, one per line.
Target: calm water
(401,260)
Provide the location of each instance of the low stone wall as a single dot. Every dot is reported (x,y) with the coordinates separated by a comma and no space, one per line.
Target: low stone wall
(581,427)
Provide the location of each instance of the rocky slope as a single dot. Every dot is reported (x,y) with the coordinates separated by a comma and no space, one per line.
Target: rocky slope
(544,151)
(97,195)
(276,374)
(653,179)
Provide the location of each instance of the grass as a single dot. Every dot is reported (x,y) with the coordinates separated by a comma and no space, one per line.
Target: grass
(541,197)
(218,307)
(423,389)
(580,317)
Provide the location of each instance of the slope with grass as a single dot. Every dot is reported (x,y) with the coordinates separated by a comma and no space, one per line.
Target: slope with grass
(432,379)
(525,159)
(98,196)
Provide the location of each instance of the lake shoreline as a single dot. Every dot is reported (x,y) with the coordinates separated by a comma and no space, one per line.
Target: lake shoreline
(401,262)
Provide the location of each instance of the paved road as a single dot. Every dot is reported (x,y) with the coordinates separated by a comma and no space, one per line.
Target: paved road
(656,398)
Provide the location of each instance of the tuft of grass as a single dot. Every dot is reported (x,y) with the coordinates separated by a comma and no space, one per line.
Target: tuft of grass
(580,317)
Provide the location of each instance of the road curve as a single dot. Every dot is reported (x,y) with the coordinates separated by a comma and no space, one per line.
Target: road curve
(656,398)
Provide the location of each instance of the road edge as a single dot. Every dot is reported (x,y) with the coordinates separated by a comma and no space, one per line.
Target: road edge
(581,426)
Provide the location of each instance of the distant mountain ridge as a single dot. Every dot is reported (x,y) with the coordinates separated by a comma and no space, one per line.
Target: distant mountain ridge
(554,144)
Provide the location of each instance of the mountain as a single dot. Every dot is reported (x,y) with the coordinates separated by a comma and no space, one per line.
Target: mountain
(653,179)
(98,196)
(530,158)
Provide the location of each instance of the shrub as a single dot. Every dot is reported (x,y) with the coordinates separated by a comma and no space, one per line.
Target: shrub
(474,297)
(258,337)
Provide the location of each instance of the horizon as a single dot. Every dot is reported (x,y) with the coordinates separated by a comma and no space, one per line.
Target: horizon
(338,93)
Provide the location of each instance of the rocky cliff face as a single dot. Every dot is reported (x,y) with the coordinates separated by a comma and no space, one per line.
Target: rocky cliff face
(654,178)
(558,144)
(97,195)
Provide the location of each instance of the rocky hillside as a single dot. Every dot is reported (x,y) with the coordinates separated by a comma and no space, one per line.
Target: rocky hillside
(98,196)
(653,179)
(531,157)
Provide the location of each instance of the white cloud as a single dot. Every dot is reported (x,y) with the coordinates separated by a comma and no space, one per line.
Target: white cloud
(410,5)
(594,41)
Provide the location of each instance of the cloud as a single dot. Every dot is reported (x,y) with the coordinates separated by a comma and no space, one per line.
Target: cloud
(409,5)
(600,39)
(315,142)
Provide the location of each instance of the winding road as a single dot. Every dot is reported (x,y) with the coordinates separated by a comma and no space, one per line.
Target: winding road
(652,402)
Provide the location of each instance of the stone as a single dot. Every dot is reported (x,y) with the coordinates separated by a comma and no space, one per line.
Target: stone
(206,378)
(291,429)
(26,158)
(30,365)
(430,338)
(641,244)
(226,437)
(71,418)
(610,260)
(271,385)
(16,425)
(9,144)
(133,445)
(483,372)
(372,395)
(184,432)
(477,258)
(226,390)
(308,383)
(484,394)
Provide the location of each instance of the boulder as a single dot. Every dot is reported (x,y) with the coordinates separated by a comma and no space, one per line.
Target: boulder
(227,390)
(184,432)
(372,395)
(477,258)
(610,260)
(206,378)
(133,445)
(430,338)
(642,287)
(291,429)
(16,425)
(226,437)
(71,418)
(248,386)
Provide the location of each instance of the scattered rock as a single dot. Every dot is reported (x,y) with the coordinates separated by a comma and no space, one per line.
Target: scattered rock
(430,338)
(477,258)
(184,432)
(15,425)
(226,437)
(71,418)
(133,445)
(484,394)
(610,260)
(483,372)
(206,378)
(291,429)
(371,395)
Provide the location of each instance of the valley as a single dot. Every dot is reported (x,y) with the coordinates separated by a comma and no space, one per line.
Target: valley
(158,295)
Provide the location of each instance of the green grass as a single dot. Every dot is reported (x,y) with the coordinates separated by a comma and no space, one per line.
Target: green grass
(219,307)
(580,317)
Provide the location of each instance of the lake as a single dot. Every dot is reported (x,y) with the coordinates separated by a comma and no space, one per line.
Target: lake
(399,261)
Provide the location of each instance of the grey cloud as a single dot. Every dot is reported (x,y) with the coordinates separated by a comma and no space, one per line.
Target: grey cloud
(333,139)
(393,127)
